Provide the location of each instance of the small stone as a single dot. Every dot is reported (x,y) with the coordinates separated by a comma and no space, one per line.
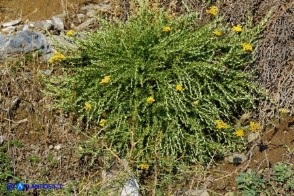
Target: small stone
(2,138)
(80,17)
(47,72)
(51,147)
(91,13)
(197,193)
(86,24)
(57,23)
(236,158)
(57,147)
(25,28)
(131,188)
(252,136)
(229,194)
(43,25)
(9,29)
(11,23)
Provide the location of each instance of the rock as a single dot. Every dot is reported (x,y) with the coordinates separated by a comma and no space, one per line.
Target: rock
(62,42)
(98,7)
(236,158)
(25,28)
(57,147)
(252,136)
(86,24)
(229,194)
(43,25)
(47,72)
(11,23)
(80,17)
(9,29)
(91,13)
(22,42)
(57,23)
(197,193)
(2,139)
(131,188)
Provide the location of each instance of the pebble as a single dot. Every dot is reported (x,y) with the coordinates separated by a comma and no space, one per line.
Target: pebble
(2,138)
(57,147)
(57,23)
(131,188)
(197,193)
(236,158)
(86,24)
(11,23)
(43,25)
(9,29)
(252,136)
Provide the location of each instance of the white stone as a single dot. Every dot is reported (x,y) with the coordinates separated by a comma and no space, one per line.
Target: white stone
(9,29)
(57,23)
(131,188)
(57,147)
(11,23)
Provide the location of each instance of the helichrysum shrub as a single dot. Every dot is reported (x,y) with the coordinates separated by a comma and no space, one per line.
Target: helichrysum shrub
(152,84)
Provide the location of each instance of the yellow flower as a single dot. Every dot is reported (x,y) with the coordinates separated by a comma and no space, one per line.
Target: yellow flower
(144,166)
(102,122)
(247,47)
(56,57)
(70,33)
(221,124)
(88,106)
(239,133)
(150,99)
(166,29)
(213,10)
(254,126)
(237,28)
(105,80)
(218,33)
(196,103)
(283,111)
(179,87)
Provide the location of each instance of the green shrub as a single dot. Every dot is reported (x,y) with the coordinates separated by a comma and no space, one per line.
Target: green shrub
(191,77)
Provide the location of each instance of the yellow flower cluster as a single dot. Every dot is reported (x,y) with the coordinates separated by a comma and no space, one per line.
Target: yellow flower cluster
(166,29)
(213,10)
(254,127)
(218,33)
(102,122)
(179,87)
(237,28)
(221,124)
(70,33)
(88,106)
(283,111)
(239,133)
(56,57)
(105,80)
(247,47)
(144,166)
(150,100)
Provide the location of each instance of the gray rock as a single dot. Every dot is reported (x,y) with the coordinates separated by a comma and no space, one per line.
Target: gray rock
(57,23)
(9,29)
(131,188)
(98,7)
(80,17)
(91,13)
(236,158)
(22,42)
(57,147)
(43,25)
(86,24)
(11,23)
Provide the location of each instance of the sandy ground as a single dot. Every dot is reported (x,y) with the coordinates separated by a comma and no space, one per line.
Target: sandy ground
(35,10)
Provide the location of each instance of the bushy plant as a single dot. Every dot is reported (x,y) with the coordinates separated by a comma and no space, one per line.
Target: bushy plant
(156,86)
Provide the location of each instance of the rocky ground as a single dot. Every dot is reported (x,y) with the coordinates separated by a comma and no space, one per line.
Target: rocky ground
(51,138)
